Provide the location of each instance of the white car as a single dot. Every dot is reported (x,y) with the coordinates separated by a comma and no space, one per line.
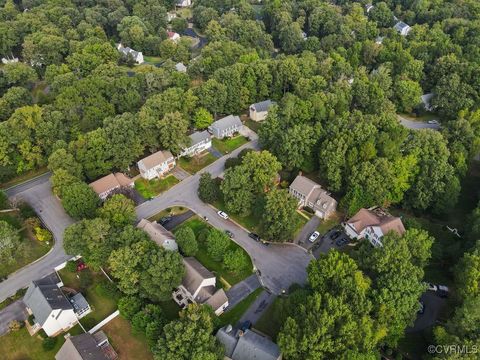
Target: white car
(222,215)
(442,288)
(433,122)
(314,236)
(431,287)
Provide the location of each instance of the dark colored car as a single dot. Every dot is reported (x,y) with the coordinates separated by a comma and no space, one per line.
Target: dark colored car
(164,220)
(335,235)
(254,236)
(341,242)
(229,233)
(245,325)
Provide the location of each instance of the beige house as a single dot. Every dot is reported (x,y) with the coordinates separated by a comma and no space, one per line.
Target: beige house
(87,347)
(105,185)
(310,194)
(159,234)
(259,111)
(156,165)
(373,224)
(198,286)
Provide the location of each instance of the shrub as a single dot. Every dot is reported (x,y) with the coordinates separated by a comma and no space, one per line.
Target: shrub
(107,289)
(129,306)
(31,320)
(85,280)
(3,200)
(49,343)
(43,234)
(15,325)
(235,261)
(26,211)
(71,266)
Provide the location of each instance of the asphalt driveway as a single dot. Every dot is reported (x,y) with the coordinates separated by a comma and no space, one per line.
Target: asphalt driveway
(14,311)
(433,306)
(241,290)
(178,219)
(307,230)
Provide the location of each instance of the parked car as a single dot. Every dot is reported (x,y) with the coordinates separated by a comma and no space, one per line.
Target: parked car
(229,233)
(421,306)
(314,236)
(335,235)
(254,236)
(431,287)
(164,220)
(341,242)
(442,291)
(222,214)
(245,325)
(266,243)
(433,122)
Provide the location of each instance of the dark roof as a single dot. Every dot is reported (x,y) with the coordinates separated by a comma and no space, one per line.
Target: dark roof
(263,105)
(43,296)
(85,347)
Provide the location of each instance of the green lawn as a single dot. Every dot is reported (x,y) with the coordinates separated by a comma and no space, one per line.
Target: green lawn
(152,59)
(30,248)
(101,304)
(19,345)
(226,146)
(326,225)
(175,210)
(199,226)
(151,188)
(422,118)
(254,125)
(196,163)
(271,321)
(233,316)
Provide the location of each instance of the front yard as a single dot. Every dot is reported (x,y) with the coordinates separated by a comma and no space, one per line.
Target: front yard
(150,188)
(226,146)
(175,210)
(90,284)
(331,222)
(233,316)
(196,163)
(200,228)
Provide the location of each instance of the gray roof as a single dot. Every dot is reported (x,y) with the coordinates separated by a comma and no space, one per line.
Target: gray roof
(195,273)
(126,50)
(180,67)
(303,185)
(227,122)
(263,105)
(198,137)
(43,296)
(247,345)
(399,26)
(79,302)
(159,234)
(84,347)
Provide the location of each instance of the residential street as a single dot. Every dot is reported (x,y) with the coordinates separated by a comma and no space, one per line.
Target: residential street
(417,125)
(14,311)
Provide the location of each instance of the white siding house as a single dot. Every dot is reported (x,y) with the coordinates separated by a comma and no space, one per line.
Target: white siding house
(226,126)
(199,142)
(156,165)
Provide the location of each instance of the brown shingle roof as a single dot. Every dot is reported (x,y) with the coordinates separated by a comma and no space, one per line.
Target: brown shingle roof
(156,159)
(109,182)
(364,218)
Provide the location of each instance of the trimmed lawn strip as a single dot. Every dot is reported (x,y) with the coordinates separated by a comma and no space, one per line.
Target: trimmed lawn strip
(24,177)
(226,146)
(101,305)
(151,188)
(174,210)
(196,163)
(18,295)
(19,344)
(233,316)
(198,226)
(326,225)
(271,322)
(127,344)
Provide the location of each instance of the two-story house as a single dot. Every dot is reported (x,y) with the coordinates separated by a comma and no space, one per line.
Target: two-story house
(402,28)
(159,234)
(199,142)
(259,111)
(126,52)
(372,224)
(226,126)
(198,286)
(310,194)
(156,165)
(107,184)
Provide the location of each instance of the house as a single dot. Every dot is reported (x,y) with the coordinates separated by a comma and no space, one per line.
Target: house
(159,234)
(50,307)
(310,194)
(87,347)
(171,16)
(369,8)
(198,286)
(180,67)
(379,40)
(226,126)
(172,35)
(199,142)
(259,111)
(8,60)
(427,101)
(402,28)
(156,165)
(373,224)
(105,185)
(126,51)
(247,345)
(184,3)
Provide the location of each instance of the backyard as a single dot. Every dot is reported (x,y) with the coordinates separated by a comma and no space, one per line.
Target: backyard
(126,344)
(196,163)
(226,146)
(200,228)
(150,188)
(91,285)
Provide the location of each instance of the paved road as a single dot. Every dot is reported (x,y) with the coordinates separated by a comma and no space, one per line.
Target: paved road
(259,306)
(39,195)
(14,311)
(417,125)
(241,290)
(280,265)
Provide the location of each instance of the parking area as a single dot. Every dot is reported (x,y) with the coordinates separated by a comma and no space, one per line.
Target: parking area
(335,238)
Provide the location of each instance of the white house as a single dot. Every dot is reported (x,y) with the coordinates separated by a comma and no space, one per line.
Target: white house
(126,51)
(172,35)
(373,224)
(8,60)
(180,67)
(198,286)
(427,101)
(184,3)
(226,126)
(107,184)
(156,165)
(159,234)
(402,28)
(51,309)
(259,111)
(199,142)
(171,16)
